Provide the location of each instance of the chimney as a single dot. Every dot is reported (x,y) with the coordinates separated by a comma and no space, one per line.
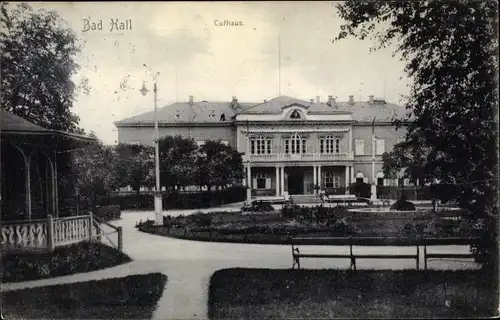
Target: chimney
(234,102)
(191,100)
(265,100)
(351,99)
(318,99)
(370,99)
(312,100)
(331,101)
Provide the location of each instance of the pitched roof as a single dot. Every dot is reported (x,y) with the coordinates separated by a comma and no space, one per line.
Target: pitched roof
(361,110)
(182,112)
(210,112)
(14,127)
(14,123)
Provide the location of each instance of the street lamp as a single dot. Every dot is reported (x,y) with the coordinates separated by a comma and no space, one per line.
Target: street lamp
(157,193)
(374,145)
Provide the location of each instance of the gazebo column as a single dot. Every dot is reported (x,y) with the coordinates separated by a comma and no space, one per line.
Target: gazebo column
(53,185)
(54,188)
(27,180)
(27,165)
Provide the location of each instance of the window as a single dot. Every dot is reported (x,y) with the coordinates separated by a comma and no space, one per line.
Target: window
(380,179)
(391,182)
(360,147)
(295,115)
(261,180)
(329,144)
(360,177)
(260,145)
(200,143)
(330,180)
(295,145)
(401,140)
(380,146)
(225,142)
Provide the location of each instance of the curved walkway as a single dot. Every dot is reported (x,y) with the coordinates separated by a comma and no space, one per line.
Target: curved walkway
(190,264)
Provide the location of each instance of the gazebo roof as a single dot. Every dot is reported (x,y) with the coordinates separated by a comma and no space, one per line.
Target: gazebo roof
(13,127)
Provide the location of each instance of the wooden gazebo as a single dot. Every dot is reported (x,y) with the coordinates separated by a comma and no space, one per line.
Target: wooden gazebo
(29,184)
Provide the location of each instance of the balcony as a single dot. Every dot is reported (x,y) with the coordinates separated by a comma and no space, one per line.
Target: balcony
(304,157)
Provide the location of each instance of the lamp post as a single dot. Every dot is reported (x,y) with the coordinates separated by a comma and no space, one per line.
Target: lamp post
(157,193)
(374,145)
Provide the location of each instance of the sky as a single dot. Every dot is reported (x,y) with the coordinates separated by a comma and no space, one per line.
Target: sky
(264,50)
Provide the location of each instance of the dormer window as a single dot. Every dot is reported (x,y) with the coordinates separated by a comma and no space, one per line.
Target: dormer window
(295,115)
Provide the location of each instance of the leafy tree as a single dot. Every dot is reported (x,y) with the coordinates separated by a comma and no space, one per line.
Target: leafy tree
(37,54)
(177,161)
(218,165)
(135,166)
(451,53)
(94,169)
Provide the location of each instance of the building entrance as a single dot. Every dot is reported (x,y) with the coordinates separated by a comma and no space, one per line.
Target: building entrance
(295,182)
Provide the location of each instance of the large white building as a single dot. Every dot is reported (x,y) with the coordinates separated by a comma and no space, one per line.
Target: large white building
(290,145)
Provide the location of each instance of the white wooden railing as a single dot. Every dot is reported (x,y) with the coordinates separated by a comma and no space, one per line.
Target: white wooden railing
(18,235)
(72,229)
(46,234)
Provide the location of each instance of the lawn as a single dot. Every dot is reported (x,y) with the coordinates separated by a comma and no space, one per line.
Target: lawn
(285,294)
(132,297)
(76,258)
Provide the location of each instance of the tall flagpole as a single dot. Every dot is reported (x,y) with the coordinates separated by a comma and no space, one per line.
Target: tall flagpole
(176,84)
(279,65)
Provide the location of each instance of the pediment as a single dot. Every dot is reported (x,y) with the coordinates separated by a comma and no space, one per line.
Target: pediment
(295,105)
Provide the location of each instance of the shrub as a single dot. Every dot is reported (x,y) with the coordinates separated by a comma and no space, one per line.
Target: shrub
(76,258)
(486,251)
(403,205)
(145,224)
(258,206)
(200,219)
(108,213)
(178,200)
(407,229)
(342,228)
(318,214)
(360,189)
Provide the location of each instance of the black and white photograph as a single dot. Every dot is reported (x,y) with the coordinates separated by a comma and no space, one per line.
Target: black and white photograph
(249,160)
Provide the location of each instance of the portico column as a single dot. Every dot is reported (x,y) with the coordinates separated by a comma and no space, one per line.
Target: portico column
(319,175)
(282,180)
(249,183)
(353,178)
(346,179)
(277,180)
(315,178)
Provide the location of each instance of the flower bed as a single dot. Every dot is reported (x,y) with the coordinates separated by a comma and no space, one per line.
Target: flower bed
(76,258)
(295,221)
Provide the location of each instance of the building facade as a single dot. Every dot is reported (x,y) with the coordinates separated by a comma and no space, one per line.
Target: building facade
(291,146)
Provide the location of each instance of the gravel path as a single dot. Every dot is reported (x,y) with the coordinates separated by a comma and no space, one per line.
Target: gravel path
(190,264)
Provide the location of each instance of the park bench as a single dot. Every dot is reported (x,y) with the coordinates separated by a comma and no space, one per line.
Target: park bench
(428,256)
(381,241)
(350,242)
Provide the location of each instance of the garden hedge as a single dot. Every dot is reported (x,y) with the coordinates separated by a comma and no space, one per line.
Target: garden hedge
(178,200)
